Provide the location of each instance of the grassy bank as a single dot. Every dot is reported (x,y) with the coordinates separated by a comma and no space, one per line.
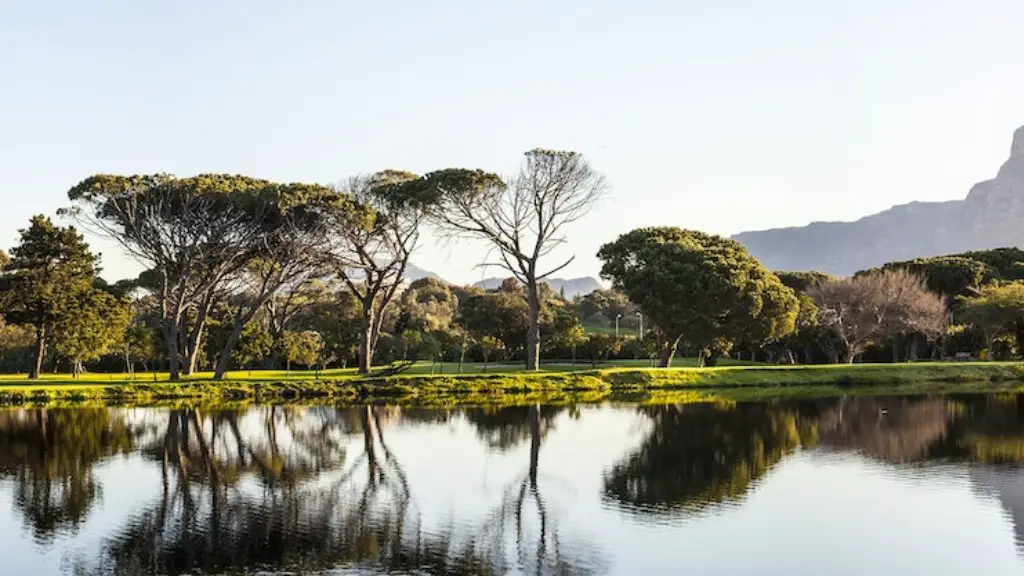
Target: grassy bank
(560,383)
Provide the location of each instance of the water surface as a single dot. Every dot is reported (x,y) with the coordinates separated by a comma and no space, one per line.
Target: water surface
(896,485)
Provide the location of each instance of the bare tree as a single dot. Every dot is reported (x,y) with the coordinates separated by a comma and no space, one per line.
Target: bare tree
(863,309)
(372,238)
(524,219)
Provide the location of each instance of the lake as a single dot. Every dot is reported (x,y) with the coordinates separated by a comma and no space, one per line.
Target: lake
(861,485)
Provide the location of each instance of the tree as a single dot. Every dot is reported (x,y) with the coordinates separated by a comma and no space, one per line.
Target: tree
(706,289)
(96,325)
(600,346)
(302,348)
(338,320)
(502,315)
(195,234)
(801,282)
(373,235)
(611,304)
(994,310)
(489,346)
(49,273)
(523,220)
(429,305)
(952,276)
(879,305)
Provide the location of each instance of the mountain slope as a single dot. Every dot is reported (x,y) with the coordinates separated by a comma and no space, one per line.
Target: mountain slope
(990,217)
(573,286)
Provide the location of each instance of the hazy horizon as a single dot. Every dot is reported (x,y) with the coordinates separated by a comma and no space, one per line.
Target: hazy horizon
(723,117)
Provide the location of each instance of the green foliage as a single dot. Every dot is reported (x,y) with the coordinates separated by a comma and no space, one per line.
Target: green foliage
(303,348)
(503,316)
(338,321)
(490,346)
(994,310)
(703,288)
(50,271)
(15,347)
(1003,262)
(96,327)
(601,346)
(428,305)
(607,303)
(254,344)
(800,282)
(951,276)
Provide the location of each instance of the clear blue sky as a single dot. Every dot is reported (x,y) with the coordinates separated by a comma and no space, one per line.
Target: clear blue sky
(720,115)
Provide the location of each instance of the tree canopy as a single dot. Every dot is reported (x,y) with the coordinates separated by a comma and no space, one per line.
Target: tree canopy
(50,274)
(705,289)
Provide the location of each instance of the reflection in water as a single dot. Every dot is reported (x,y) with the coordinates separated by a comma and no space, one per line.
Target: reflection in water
(50,455)
(700,454)
(306,489)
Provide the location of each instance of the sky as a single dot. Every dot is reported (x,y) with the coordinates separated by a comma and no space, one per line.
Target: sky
(717,115)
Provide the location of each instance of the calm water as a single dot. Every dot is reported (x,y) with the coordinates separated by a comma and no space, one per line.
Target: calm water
(909,485)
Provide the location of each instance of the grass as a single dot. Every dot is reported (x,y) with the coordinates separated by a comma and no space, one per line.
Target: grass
(505,384)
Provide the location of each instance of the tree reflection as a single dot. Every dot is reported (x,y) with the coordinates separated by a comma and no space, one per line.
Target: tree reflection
(697,455)
(896,430)
(275,489)
(524,516)
(50,454)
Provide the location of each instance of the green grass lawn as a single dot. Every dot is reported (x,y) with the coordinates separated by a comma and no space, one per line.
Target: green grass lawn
(419,369)
(425,383)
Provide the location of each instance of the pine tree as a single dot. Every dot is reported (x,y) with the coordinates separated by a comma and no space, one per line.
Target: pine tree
(50,271)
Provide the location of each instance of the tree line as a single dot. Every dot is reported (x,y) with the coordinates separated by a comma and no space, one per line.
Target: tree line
(247,273)
(229,259)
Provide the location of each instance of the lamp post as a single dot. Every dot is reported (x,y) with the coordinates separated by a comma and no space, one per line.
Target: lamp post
(617,325)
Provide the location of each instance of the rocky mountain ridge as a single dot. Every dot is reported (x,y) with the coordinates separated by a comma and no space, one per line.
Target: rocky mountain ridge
(991,216)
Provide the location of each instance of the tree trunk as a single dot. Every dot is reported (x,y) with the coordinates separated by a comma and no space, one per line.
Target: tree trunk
(534,442)
(712,358)
(914,343)
(171,336)
(895,349)
(849,356)
(533,332)
(462,353)
(366,340)
(668,353)
(990,342)
(224,359)
(37,368)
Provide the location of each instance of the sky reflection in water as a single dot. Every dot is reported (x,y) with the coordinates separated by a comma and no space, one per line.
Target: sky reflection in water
(903,485)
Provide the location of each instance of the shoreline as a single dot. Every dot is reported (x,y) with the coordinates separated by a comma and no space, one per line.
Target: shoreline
(628,384)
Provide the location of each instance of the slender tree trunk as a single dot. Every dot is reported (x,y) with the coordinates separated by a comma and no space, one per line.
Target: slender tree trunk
(668,353)
(195,338)
(914,343)
(366,340)
(37,368)
(990,342)
(849,356)
(171,336)
(534,443)
(533,332)
(462,353)
(224,359)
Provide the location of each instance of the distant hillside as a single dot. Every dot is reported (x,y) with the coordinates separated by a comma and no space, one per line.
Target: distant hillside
(414,272)
(990,217)
(573,287)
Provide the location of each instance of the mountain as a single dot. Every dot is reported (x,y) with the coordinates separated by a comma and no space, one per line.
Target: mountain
(989,217)
(573,287)
(414,272)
